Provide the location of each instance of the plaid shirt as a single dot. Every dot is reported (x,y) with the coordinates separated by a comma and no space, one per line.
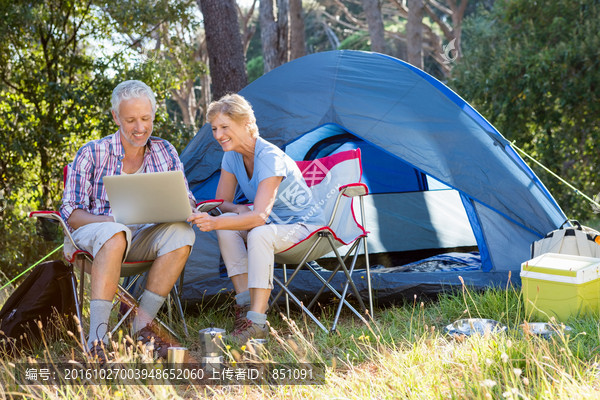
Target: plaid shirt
(84,188)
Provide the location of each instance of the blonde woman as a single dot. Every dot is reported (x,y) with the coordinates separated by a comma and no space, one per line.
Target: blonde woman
(283,212)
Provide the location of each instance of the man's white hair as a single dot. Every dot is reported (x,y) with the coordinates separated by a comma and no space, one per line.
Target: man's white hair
(131,90)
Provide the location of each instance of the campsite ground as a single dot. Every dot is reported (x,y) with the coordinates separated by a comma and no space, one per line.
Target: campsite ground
(405,353)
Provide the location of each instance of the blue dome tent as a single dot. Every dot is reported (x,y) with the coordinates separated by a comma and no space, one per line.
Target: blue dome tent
(441,177)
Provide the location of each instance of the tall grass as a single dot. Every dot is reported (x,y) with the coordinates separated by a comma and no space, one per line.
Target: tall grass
(403,354)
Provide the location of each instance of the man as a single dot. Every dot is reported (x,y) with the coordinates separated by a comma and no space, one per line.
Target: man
(86,209)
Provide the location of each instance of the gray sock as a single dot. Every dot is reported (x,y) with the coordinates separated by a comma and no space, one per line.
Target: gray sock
(257,318)
(99,314)
(243,299)
(149,306)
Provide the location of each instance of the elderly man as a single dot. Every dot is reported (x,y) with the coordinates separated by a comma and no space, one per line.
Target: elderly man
(85,207)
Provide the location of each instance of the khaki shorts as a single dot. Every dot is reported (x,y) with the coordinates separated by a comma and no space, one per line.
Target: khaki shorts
(144,242)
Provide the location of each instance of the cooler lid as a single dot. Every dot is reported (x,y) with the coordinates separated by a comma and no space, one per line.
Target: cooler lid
(583,268)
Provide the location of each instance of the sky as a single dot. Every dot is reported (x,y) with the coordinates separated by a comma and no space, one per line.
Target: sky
(245,3)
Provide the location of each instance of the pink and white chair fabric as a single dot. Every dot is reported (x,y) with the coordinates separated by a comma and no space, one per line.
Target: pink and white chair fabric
(335,183)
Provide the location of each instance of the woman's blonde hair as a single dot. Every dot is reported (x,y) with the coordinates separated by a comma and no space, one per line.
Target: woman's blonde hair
(235,107)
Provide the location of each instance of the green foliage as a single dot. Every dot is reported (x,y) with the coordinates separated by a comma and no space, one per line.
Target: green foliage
(255,68)
(531,68)
(357,41)
(59,61)
(49,91)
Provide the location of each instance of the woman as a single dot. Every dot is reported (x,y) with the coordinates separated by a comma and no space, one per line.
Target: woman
(283,211)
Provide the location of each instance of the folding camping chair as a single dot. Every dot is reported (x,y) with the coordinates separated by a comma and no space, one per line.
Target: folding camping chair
(334,181)
(133,270)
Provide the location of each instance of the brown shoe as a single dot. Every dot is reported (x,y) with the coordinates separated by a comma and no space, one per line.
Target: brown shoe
(97,353)
(240,316)
(249,330)
(151,335)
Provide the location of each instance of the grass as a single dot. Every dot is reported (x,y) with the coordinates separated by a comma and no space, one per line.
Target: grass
(403,354)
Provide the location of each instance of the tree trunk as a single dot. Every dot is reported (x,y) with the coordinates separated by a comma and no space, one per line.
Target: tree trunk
(375,23)
(274,34)
(414,33)
(224,46)
(205,90)
(247,25)
(452,32)
(432,45)
(268,35)
(283,32)
(206,96)
(297,38)
(457,18)
(185,97)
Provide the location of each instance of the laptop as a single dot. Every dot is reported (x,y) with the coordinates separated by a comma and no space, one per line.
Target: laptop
(150,198)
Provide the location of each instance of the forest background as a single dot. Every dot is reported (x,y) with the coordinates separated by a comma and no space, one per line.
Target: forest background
(529,67)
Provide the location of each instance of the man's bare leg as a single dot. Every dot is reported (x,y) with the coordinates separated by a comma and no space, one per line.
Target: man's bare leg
(163,274)
(106,270)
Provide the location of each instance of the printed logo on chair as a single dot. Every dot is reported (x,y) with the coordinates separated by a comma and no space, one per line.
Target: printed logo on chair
(296,197)
(315,173)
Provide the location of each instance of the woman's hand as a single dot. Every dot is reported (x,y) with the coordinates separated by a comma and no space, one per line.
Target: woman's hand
(203,221)
(247,218)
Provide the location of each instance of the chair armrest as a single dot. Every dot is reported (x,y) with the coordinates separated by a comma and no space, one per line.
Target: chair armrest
(354,189)
(209,205)
(349,190)
(45,214)
(55,216)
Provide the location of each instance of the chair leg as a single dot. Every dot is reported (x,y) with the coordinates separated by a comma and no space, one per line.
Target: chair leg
(79,299)
(348,276)
(331,276)
(303,263)
(177,300)
(337,294)
(287,296)
(299,303)
(77,305)
(124,296)
(169,309)
(339,308)
(300,265)
(167,328)
(132,282)
(81,285)
(181,283)
(369,284)
(364,239)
